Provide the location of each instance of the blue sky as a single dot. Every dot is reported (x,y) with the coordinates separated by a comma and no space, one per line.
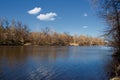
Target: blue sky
(73,16)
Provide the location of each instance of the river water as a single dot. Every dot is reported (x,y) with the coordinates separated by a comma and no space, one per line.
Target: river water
(55,63)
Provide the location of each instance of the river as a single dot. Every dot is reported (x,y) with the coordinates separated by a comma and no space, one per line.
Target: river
(55,63)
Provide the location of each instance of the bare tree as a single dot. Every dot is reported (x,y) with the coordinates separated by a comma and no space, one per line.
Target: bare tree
(110,11)
(18,34)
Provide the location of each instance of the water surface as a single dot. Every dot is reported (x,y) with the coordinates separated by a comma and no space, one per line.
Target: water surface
(55,63)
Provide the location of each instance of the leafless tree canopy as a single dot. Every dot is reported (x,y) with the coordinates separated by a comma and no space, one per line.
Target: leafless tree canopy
(110,11)
(15,33)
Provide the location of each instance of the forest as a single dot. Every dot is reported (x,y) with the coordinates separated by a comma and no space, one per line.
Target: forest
(16,33)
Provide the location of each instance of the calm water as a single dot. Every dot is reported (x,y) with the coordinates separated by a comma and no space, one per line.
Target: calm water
(55,63)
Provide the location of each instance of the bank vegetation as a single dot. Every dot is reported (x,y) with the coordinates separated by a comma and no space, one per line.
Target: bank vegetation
(16,33)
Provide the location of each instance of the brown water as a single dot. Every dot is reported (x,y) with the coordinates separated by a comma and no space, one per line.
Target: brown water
(55,63)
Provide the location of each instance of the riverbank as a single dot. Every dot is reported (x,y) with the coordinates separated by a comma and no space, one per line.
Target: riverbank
(19,34)
(28,44)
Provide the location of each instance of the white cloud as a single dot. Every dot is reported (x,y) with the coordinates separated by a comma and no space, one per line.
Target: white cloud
(85,14)
(36,10)
(47,17)
(85,27)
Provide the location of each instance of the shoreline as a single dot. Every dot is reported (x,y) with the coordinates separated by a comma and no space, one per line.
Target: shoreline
(56,45)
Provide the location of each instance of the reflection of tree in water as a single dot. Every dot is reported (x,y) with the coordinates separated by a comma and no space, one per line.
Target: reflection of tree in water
(113,68)
(19,55)
(13,55)
(24,59)
(49,53)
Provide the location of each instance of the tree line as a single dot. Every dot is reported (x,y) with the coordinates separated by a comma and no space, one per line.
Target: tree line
(16,33)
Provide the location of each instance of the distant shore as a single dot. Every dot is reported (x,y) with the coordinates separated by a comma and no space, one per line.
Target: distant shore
(18,34)
(29,44)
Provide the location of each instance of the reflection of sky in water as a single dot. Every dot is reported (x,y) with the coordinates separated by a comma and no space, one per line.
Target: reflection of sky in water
(54,63)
